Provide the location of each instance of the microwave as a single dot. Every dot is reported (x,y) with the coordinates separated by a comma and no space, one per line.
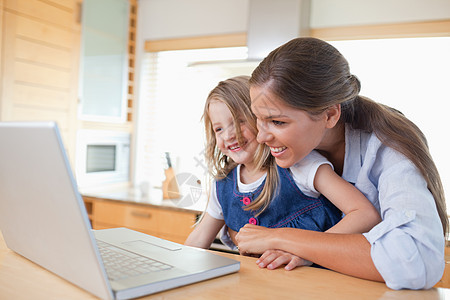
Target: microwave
(102,157)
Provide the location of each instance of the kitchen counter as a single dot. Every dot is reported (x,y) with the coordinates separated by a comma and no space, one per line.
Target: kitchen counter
(22,279)
(152,197)
(143,210)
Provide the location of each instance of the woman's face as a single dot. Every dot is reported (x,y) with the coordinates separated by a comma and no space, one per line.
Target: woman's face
(290,133)
(225,132)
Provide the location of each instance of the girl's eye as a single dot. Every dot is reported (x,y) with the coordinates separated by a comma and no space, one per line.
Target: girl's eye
(278,123)
(218,129)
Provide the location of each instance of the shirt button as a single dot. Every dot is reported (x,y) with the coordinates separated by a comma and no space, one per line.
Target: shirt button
(246,200)
(252,221)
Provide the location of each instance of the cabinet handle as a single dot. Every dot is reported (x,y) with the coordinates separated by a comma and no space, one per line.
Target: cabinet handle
(141,214)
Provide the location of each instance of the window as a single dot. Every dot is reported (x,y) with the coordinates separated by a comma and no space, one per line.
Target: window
(411,75)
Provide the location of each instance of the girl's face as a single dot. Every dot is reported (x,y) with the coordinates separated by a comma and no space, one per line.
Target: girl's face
(225,131)
(290,133)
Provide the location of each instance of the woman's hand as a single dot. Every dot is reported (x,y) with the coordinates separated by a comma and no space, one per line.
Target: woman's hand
(272,259)
(253,239)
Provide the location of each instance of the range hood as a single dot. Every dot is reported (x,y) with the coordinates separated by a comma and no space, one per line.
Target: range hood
(273,23)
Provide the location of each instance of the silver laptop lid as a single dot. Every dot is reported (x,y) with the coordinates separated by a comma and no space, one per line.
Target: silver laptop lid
(35,220)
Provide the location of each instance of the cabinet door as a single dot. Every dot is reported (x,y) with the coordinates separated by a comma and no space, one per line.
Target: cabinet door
(176,225)
(108,215)
(161,222)
(104,60)
(40,60)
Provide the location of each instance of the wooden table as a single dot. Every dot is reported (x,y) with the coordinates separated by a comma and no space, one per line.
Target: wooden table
(22,279)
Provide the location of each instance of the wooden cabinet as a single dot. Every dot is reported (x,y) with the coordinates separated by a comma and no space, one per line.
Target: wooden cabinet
(40,62)
(164,222)
(39,59)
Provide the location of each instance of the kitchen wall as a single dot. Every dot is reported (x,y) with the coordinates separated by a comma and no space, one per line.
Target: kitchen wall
(162,19)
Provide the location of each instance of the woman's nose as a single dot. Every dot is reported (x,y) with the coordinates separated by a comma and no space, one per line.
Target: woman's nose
(263,134)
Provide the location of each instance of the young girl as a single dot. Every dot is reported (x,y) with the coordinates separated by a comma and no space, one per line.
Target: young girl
(250,188)
(305,98)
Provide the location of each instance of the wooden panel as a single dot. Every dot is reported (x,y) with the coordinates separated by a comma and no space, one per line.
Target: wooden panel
(176,223)
(42,75)
(400,30)
(26,113)
(40,31)
(216,41)
(40,61)
(62,4)
(131,57)
(1,57)
(69,4)
(43,10)
(165,223)
(44,54)
(40,96)
(131,216)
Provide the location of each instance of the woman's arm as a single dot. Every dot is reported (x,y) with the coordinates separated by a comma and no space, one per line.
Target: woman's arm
(345,253)
(205,232)
(360,214)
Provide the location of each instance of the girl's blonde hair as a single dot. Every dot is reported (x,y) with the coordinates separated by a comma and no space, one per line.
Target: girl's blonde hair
(311,75)
(235,94)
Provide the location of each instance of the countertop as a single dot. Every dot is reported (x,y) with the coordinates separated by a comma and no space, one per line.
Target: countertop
(22,279)
(147,196)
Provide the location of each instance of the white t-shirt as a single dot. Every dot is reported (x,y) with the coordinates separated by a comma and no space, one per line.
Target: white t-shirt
(303,173)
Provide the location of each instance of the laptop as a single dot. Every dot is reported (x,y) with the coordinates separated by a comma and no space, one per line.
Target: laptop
(43,218)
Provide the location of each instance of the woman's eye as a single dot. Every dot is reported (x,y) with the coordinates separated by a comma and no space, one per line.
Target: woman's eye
(275,122)
(218,129)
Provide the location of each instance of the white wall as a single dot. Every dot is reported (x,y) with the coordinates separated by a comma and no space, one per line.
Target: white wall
(332,13)
(161,19)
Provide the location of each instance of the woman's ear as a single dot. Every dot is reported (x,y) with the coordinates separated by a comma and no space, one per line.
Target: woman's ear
(333,114)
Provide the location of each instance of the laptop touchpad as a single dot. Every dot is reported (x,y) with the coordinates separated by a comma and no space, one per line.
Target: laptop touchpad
(143,245)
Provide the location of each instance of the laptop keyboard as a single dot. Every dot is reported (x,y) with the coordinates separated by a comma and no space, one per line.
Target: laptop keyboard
(121,264)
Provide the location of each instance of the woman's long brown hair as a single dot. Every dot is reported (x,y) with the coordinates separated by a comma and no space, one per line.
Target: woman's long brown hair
(311,75)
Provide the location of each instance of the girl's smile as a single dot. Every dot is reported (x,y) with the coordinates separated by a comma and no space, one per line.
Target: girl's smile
(242,152)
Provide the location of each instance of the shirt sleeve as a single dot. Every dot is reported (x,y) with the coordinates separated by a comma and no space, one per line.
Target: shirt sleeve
(226,239)
(214,209)
(305,171)
(407,247)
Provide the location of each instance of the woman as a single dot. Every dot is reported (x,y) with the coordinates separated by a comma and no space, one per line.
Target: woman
(305,98)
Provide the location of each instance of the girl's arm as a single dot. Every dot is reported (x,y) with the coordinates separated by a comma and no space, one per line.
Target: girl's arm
(205,232)
(360,214)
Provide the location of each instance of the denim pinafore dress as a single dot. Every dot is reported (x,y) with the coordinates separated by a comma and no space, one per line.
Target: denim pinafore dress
(288,208)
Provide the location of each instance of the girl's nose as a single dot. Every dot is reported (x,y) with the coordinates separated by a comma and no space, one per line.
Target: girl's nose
(230,133)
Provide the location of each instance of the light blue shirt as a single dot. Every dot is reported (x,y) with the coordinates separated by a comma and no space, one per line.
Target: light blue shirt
(407,246)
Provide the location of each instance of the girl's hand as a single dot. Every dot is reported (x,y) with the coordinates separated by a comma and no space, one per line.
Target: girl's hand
(253,239)
(272,259)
